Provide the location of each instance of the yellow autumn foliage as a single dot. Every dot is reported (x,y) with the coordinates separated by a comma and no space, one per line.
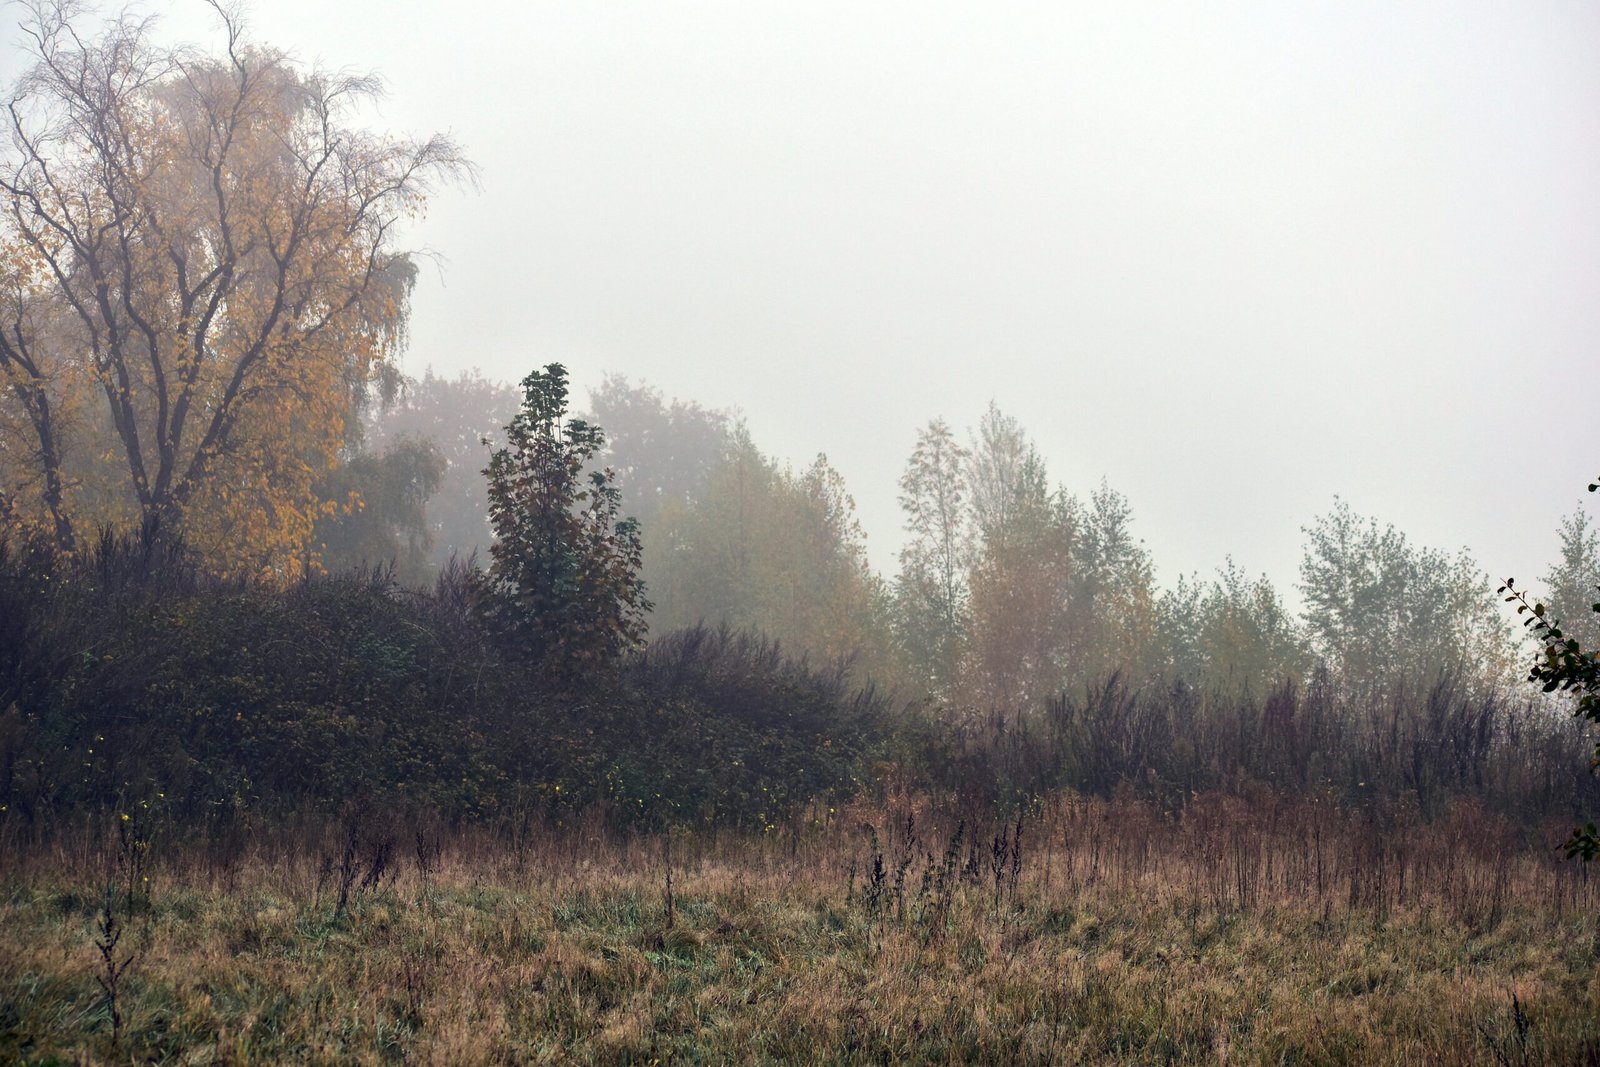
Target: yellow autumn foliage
(201,280)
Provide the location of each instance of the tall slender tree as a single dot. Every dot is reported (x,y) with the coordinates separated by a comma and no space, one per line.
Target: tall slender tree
(1003,467)
(931,589)
(1112,594)
(1021,570)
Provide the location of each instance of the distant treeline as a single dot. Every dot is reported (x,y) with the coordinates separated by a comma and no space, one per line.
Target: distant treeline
(126,672)
(1008,589)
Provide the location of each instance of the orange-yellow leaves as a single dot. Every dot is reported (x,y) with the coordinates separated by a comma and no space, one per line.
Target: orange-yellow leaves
(212,283)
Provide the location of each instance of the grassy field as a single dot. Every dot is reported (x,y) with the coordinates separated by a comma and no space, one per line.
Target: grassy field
(1238,934)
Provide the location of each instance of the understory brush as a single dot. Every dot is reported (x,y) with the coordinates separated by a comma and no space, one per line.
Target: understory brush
(125,671)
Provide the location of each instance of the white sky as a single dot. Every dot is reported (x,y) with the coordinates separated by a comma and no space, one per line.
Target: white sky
(1235,258)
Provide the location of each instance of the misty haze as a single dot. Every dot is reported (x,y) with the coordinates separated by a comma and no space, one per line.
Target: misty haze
(755,533)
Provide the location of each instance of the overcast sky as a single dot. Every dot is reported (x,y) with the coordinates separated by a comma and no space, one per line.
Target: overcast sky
(1236,259)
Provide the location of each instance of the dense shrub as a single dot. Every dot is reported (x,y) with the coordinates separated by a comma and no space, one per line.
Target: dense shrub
(126,672)
(134,673)
(746,732)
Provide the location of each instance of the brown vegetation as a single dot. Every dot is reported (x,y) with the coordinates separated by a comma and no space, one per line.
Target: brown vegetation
(1252,928)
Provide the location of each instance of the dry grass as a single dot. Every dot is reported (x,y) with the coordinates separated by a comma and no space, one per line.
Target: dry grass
(1248,931)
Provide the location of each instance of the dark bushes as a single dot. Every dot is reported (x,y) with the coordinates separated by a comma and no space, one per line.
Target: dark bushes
(745,733)
(134,674)
(126,672)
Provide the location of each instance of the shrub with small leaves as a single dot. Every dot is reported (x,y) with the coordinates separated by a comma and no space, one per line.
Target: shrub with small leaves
(1564,665)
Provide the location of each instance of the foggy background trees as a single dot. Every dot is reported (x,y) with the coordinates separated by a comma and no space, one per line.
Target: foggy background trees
(1009,589)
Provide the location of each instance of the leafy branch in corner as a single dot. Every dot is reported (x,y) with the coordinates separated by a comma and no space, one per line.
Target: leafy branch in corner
(1565,666)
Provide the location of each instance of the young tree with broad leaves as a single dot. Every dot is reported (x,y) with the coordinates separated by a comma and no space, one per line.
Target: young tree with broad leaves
(564,574)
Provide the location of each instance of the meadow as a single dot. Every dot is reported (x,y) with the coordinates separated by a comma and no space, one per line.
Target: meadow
(1253,927)
(348,716)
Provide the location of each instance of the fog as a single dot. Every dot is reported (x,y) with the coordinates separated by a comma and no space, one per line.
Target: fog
(1236,261)
(992,558)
